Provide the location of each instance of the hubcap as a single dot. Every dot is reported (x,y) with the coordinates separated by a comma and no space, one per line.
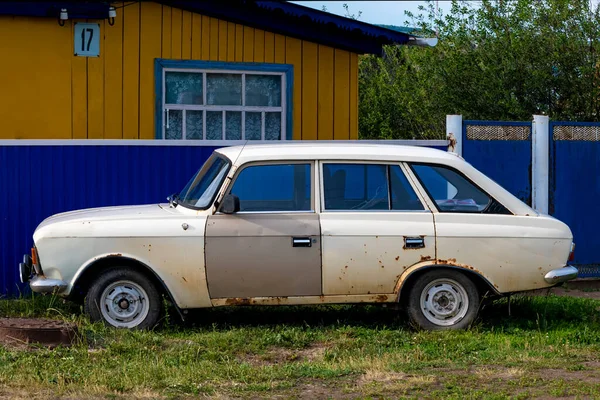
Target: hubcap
(124,304)
(444,302)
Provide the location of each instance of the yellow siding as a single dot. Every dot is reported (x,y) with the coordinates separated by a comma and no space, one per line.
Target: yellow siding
(113,95)
(176,28)
(325,96)
(186,36)
(95,95)
(150,42)
(341,95)
(113,80)
(309,90)
(131,61)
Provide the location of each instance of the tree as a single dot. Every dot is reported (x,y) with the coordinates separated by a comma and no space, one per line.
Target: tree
(503,60)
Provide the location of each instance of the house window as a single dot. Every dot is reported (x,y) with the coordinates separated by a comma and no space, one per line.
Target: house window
(224,101)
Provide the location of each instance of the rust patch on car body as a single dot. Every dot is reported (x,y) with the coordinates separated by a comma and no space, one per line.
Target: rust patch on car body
(425,258)
(397,258)
(381,298)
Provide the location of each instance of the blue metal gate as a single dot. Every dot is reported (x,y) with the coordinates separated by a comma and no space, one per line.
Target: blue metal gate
(574,188)
(502,151)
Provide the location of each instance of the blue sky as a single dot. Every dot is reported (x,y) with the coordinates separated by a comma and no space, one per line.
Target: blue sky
(376,12)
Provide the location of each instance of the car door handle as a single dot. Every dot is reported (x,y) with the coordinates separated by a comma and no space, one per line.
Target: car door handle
(414,242)
(301,242)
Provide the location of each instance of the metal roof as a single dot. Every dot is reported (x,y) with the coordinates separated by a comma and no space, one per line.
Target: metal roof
(275,16)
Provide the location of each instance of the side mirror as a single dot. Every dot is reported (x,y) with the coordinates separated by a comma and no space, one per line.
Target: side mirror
(230,204)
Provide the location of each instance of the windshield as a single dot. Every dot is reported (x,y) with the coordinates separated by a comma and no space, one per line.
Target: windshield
(201,189)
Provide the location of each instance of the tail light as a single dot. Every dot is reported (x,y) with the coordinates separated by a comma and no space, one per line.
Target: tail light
(572,252)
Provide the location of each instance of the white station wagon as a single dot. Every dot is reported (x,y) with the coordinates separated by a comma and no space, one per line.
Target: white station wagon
(297,223)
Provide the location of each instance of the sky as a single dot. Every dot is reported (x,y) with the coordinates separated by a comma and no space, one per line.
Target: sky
(376,12)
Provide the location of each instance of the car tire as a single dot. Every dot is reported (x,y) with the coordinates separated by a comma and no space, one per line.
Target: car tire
(443,299)
(124,298)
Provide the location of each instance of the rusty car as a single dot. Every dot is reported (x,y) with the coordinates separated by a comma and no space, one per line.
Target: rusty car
(306,223)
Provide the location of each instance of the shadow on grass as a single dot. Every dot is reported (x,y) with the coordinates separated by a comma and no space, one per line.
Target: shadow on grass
(543,312)
(527,313)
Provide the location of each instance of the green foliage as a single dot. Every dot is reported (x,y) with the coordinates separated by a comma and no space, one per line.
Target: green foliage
(503,60)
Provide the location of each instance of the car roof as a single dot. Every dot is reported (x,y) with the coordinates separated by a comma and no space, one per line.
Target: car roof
(328,150)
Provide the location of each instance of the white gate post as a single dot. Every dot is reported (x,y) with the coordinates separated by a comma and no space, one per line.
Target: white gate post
(454,131)
(540,147)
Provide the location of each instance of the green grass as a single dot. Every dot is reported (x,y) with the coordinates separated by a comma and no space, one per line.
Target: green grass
(549,346)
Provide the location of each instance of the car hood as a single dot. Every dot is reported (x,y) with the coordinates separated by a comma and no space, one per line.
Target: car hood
(106,214)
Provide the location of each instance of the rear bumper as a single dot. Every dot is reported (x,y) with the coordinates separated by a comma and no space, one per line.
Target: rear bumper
(561,275)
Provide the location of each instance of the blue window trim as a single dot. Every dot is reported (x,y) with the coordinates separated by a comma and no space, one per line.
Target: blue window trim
(161,63)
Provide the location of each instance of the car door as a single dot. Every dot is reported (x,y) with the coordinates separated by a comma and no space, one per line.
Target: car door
(374,226)
(272,246)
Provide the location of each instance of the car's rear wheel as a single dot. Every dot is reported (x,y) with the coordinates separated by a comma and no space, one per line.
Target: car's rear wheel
(124,298)
(443,299)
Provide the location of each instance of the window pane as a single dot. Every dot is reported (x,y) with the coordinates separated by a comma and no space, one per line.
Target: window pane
(253,125)
(224,89)
(450,190)
(273,126)
(174,129)
(281,187)
(214,125)
(263,90)
(193,124)
(403,195)
(183,88)
(233,125)
(355,187)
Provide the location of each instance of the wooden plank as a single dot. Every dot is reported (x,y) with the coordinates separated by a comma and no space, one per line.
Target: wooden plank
(150,40)
(279,49)
(325,94)
(222,40)
(259,45)
(79,93)
(166,50)
(176,32)
(341,95)
(214,39)
(131,65)
(113,80)
(353,96)
(205,38)
(248,44)
(293,55)
(230,41)
(186,36)
(35,86)
(310,57)
(239,42)
(196,36)
(95,98)
(269,47)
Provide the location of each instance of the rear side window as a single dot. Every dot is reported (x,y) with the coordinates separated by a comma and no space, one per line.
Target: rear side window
(367,187)
(450,190)
(274,187)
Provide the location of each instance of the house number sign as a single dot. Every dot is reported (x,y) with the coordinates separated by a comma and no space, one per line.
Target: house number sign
(87,40)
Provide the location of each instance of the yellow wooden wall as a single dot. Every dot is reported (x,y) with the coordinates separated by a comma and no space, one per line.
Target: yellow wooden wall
(48,93)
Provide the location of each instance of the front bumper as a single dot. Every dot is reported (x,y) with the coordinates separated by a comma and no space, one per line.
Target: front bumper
(561,275)
(28,272)
(41,284)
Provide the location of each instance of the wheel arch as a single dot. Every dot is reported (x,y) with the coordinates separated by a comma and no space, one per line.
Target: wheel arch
(91,270)
(406,280)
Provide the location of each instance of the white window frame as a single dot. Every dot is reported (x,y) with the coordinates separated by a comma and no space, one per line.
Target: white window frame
(223,109)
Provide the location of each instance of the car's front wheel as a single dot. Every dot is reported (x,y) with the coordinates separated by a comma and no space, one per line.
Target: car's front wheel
(124,298)
(443,299)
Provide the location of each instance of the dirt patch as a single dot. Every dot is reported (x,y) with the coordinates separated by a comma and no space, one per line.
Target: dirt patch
(585,294)
(280,355)
(23,331)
